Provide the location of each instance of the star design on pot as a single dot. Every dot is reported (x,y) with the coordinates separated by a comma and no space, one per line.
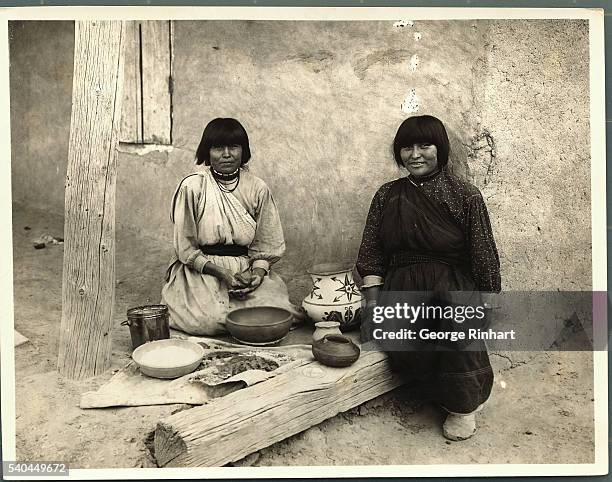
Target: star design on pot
(315,288)
(347,288)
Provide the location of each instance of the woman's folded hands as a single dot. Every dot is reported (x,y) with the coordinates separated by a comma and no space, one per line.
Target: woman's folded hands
(246,282)
(238,284)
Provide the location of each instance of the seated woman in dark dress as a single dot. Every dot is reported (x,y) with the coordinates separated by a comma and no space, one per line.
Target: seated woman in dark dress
(430,232)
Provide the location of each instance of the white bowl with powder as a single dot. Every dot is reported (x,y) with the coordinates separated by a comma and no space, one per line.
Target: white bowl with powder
(168,358)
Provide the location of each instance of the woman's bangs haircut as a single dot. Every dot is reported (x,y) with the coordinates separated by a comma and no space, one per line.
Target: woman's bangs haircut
(422,129)
(223,132)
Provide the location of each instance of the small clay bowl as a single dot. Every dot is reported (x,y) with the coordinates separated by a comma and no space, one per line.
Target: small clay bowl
(335,351)
(153,360)
(259,325)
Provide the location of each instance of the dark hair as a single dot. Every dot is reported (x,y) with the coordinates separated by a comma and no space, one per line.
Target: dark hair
(223,132)
(422,128)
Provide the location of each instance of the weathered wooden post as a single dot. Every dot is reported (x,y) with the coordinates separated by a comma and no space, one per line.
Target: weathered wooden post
(88,289)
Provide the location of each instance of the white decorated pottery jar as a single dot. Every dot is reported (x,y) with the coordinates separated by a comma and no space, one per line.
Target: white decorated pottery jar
(334,296)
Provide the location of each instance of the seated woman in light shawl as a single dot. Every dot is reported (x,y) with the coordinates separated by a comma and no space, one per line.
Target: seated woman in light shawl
(227,235)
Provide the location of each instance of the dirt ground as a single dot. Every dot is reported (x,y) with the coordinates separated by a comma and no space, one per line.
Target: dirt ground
(540,411)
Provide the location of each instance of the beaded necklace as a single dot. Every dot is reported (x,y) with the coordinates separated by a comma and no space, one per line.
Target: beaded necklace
(225,181)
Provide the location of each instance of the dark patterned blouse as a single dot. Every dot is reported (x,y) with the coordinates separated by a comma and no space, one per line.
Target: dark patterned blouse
(454,196)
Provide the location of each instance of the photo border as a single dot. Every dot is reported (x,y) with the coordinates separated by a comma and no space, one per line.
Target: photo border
(598,226)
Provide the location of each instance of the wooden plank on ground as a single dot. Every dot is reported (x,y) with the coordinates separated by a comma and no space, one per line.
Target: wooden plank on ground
(229,428)
(88,283)
(156,72)
(131,111)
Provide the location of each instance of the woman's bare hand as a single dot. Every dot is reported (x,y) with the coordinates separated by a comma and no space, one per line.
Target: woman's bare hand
(245,277)
(255,278)
(232,281)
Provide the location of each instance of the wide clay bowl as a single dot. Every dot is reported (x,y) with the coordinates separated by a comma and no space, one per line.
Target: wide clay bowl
(259,325)
(168,358)
(335,351)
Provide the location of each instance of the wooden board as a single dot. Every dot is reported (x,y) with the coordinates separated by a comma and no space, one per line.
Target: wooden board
(131,112)
(156,73)
(229,428)
(88,283)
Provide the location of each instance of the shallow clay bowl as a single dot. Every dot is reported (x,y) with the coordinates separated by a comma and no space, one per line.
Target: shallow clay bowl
(259,325)
(153,358)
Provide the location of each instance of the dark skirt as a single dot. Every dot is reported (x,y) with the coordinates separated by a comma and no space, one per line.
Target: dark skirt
(458,379)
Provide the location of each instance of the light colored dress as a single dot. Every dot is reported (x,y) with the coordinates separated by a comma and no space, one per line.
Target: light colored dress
(204,214)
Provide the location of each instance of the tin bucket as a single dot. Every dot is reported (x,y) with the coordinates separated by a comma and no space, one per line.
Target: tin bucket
(148,323)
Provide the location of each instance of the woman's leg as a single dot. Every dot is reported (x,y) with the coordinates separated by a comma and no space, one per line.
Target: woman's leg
(197,304)
(465,381)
